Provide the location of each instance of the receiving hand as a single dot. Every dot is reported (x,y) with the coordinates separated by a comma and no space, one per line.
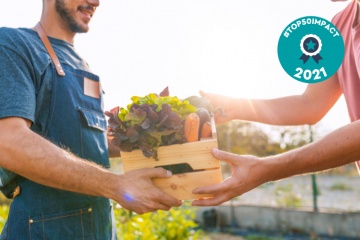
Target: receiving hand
(137,192)
(248,172)
(230,105)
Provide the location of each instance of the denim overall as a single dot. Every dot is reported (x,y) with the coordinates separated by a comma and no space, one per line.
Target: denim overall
(76,122)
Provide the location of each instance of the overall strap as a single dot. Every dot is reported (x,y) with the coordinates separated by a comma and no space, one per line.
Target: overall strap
(39,29)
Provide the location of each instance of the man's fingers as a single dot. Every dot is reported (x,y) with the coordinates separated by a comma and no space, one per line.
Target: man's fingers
(231,115)
(168,200)
(160,206)
(217,200)
(157,173)
(225,156)
(209,96)
(215,99)
(215,189)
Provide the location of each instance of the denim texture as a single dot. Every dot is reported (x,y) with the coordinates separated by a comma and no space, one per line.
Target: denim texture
(26,79)
(76,122)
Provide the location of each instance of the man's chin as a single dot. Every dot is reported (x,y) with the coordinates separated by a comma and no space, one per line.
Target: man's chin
(79,27)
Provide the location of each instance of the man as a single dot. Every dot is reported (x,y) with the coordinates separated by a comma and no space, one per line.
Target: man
(336,149)
(51,110)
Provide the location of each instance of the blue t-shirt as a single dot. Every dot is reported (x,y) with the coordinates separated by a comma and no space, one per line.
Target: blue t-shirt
(26,82)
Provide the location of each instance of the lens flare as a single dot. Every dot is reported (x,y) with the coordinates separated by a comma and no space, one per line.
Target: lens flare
(128,197)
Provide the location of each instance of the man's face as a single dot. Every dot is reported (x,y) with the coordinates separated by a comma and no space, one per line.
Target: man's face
(77,13)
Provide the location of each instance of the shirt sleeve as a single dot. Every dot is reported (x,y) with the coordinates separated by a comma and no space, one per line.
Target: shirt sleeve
(17,88)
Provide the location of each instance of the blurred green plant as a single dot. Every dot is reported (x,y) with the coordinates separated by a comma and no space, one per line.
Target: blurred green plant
(4,211)
(176,224)
(4,200)
(260,237)
(247,138)
(284,188)
(287,197)
(341,187)
(266,185)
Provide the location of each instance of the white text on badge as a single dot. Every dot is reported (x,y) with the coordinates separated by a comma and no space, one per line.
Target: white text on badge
(307,74)
(309,21)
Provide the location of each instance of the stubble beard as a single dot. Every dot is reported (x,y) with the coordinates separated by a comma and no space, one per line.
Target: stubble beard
(67,16)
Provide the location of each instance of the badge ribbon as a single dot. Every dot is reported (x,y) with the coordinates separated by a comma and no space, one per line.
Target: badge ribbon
(311,46)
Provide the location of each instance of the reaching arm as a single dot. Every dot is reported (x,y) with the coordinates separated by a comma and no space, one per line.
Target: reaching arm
(336,149)
(308,108)
(29,155)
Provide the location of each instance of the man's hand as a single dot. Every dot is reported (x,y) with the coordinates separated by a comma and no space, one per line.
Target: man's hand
(31,156)
(230,105)
(137,192)
(248,172)
(338,148)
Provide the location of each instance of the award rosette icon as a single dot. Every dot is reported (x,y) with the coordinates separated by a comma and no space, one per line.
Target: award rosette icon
(311,49)
(310,46)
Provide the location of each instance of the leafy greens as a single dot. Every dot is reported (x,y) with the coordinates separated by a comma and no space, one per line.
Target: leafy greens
(149,122)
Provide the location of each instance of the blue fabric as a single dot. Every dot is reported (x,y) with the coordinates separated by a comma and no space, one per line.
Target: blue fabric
(26,82)
(76,122)
(73,121)
(93,119)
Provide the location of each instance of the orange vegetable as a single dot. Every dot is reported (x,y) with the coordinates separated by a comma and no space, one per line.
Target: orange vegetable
(191,129)
(206,130)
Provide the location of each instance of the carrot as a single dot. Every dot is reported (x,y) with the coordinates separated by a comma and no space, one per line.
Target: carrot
(192,124)
(206,130)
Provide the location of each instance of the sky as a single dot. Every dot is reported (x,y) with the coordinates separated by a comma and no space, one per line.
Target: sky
(227,47)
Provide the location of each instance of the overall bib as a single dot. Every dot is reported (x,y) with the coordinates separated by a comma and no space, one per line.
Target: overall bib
(76,122)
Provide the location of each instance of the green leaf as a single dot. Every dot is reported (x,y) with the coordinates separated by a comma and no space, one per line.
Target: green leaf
(135,99)
(129,106)
(152,97)
(158,135)
(123,113)
(186,110)
(136,117)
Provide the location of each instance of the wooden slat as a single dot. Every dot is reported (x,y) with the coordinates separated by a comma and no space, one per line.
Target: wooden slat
(196,154)
(181,186)
(213,128)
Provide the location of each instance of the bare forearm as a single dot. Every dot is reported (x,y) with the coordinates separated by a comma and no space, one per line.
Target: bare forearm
(292,110)
(336,149)
(307,108)
(37,159)
(26,153)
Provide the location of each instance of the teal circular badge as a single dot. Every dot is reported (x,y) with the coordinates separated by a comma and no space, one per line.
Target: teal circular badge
(311,49)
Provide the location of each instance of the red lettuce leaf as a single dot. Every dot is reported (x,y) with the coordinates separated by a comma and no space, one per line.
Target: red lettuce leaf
(133,133)
(116,142)
(165,92)
(127,146)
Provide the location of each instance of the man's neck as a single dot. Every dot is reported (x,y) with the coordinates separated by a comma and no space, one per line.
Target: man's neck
(55,27)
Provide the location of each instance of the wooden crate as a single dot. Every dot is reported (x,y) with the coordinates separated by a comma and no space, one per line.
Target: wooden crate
(197,154)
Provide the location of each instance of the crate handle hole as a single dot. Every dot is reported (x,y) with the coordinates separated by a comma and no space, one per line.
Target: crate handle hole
(179,168)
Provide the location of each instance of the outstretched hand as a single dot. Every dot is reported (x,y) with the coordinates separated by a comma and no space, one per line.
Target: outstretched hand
(248,172)
(229,104)
(137,192)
